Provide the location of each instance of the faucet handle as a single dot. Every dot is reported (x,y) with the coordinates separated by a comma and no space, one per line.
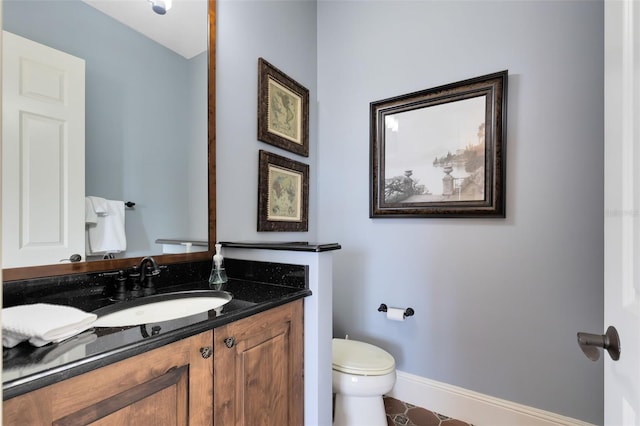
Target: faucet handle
(121,286)
(150,272)
(134,275)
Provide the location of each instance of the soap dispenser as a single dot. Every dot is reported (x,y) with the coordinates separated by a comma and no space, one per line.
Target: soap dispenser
(218,274)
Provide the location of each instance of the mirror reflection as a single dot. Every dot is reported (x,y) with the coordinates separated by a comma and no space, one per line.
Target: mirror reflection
(145,122)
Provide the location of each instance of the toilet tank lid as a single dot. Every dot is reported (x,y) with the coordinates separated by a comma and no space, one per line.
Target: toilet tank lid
(364,359)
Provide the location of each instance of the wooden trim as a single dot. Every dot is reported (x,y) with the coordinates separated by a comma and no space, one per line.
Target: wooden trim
(29,272)
(212,126)
(296,363)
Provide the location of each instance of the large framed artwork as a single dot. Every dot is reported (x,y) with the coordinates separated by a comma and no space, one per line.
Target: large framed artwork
(283,110)
(283,194)
(440,152)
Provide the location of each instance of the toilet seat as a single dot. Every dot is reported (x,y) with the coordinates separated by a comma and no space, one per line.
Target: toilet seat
(360,358)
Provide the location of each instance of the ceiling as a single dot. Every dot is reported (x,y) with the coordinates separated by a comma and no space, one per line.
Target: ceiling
(182,29)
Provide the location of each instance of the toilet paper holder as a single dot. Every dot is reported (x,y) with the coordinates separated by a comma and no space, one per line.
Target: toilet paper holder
(407,312)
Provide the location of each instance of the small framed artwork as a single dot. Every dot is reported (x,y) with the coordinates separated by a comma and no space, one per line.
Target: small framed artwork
(283,110)
(440,152)
(283,194)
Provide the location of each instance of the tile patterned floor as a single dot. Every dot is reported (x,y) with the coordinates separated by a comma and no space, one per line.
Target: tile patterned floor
(402,414)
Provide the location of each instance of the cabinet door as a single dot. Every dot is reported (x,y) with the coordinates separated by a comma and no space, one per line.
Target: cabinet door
(258,369)
(171,385)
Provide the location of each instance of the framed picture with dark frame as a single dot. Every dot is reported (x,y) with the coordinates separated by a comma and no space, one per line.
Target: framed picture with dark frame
(440,152)
(283,194)
(283,110)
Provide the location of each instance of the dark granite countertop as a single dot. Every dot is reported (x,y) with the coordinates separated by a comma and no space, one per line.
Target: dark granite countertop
(283,245)
(27,368)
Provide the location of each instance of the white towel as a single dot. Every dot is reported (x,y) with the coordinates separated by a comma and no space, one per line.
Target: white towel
(100,205)
(42,323)
(90,215)
(108,235)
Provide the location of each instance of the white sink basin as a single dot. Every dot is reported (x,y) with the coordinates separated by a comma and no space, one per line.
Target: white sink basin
(160,308)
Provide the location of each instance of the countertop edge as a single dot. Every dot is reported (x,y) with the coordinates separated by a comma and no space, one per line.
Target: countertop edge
(283,245)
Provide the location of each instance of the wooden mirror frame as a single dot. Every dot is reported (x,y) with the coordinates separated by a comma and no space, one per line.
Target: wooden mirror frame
(30,272)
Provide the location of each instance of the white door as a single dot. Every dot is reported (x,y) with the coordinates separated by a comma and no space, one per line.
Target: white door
(42,153)
(622,208)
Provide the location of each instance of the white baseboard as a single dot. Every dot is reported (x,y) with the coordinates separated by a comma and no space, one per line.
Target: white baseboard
(470,406)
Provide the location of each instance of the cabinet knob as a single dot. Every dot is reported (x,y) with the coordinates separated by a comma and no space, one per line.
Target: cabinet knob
(230,342)
(206,352)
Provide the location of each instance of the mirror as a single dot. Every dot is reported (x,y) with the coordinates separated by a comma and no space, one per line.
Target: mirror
(146,191)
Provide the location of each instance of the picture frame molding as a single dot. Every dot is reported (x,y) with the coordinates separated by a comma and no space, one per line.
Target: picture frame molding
(494,87)
(268,162)
(270,76)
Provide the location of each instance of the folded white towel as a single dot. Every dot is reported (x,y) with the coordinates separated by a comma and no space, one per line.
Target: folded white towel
(99,205)
(43,323)
(90,215)
(108,235)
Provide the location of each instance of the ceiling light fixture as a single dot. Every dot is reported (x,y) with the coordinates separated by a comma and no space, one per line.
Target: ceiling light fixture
(160,6)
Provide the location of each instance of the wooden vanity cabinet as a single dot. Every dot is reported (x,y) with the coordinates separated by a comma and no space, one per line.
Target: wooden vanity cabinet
(258,369)
(253,375)
(170,385)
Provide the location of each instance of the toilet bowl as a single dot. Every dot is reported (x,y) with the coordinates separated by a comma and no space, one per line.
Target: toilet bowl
(362,373)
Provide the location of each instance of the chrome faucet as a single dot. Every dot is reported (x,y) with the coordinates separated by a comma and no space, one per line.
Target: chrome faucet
(148,272)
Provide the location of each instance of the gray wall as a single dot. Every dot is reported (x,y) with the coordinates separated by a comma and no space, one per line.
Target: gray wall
(498,301)
(136,149)
(283,33)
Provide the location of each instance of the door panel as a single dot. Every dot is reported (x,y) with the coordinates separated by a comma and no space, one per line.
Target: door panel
(622,208)
(43,95)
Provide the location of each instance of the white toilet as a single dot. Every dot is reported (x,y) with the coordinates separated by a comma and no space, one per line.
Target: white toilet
(362,373)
